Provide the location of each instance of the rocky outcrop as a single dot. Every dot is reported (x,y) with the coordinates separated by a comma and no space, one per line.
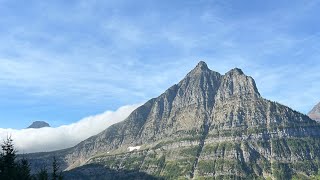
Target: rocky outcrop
(39,124)
(207,125)
(315,112)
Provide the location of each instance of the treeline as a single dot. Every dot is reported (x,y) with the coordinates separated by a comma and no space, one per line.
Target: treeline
(12,169)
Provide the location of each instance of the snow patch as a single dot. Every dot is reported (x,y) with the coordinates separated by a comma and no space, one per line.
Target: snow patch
(130,148)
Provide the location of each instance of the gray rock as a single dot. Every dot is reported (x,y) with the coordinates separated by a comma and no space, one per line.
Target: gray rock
(39,124)
(315,112)
(206,125)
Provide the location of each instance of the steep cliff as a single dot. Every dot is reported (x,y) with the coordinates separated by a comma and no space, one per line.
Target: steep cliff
(207,126)
(315,112)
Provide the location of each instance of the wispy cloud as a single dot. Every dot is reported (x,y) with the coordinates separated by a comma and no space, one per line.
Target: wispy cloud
(109,53)
(49,139)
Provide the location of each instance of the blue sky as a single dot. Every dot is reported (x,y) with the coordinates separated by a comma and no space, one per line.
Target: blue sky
(64,60)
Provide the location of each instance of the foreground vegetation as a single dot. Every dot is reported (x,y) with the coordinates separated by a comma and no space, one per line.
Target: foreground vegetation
(12,169)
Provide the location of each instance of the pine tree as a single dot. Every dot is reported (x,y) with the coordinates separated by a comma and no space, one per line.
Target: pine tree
(12,170)
(8,166)
(55,169)
(24,170)
(60,177)
(43,174)
(1,166)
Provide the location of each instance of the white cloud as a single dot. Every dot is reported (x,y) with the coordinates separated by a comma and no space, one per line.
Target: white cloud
(49,139)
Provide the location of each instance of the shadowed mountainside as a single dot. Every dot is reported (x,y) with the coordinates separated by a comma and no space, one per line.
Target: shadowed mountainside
(207,126)
(39,124)
(97,172)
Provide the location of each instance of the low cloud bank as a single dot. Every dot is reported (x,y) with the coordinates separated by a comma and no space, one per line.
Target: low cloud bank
(49,139)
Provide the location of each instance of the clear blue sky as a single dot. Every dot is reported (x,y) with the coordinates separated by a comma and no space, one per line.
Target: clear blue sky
(64,60)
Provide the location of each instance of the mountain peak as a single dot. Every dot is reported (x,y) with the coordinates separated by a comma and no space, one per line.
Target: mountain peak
(236,83)
(39,124)
(315,112)
(237,71)
(201,67)
(208,120)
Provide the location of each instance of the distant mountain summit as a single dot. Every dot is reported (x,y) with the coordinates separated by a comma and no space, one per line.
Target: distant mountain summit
(39,124)
(207,126)
(315,112)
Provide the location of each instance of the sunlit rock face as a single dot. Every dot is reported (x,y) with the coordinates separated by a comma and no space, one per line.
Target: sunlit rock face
(315,113)
(207,125)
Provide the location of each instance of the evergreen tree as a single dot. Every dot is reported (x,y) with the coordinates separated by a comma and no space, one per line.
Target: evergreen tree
(55,169)
(12,170)
(60,177)
(43,174)
(1,166)
(8,166)
(24,170)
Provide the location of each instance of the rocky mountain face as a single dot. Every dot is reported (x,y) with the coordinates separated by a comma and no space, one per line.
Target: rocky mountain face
(39,124)
(208,126)
(315,112)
